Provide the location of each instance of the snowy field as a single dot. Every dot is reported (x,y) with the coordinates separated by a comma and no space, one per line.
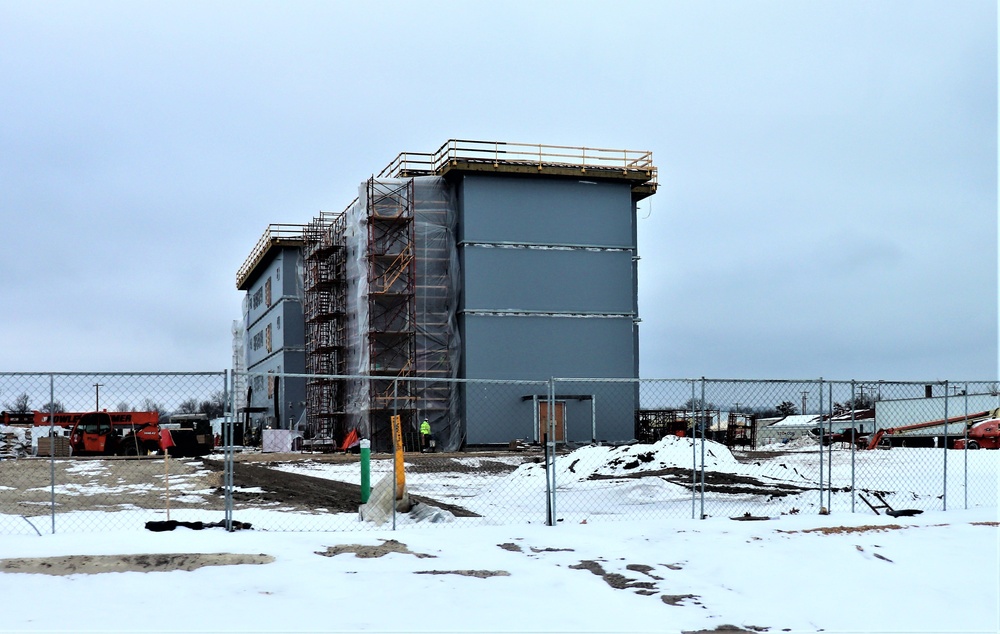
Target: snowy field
(936,572)
(625,556)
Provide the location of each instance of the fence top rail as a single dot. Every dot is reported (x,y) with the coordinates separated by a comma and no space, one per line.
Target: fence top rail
(769,381)
(113,373)
(376,377)
(987,382)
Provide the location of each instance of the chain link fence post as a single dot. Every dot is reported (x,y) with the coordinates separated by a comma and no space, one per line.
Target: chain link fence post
(829,452)
(52,454)
(965,446)
(694,454)
(550,455)
(944,484)
(704,430)
(854,443)
(821,439)
(228,423)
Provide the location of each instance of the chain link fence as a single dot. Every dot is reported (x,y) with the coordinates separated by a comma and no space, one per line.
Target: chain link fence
(46,486)
(497,452)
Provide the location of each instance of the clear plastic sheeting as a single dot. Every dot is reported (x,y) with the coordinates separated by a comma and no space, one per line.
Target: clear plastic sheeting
(415,276)
(358,400)
(437,292)
(239,364)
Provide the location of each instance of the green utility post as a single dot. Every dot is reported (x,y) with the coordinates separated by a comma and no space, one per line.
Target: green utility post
(366,481)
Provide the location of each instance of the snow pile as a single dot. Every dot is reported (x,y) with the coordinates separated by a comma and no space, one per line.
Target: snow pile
(802,443)
(601,461)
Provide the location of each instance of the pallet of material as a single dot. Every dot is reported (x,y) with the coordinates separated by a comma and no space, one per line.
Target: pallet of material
(61,446)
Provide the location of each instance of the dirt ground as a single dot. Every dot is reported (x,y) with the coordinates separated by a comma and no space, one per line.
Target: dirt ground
(117,483)
(97,564)
(303,491)
(106,484)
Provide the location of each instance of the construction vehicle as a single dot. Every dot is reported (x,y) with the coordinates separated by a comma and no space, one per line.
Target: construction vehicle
(846,436)
(69,419)
(982,435)
(66,420)
(883,437)
(191,434)
(138,433)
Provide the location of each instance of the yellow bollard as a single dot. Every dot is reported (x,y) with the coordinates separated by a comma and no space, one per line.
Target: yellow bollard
(397,442)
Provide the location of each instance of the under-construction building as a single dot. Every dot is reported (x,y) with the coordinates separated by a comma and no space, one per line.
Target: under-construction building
(482,260)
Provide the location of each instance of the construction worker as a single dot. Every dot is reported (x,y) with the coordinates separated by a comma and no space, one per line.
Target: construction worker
(425,435)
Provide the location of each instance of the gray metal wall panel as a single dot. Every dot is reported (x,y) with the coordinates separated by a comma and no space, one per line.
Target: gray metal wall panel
(286,334)
(292,330)
(282,273)
(291,392)
(498,413)
(548,280)
(545,211)
(538,348)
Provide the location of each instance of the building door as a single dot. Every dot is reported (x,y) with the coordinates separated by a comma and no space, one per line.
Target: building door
(560,420)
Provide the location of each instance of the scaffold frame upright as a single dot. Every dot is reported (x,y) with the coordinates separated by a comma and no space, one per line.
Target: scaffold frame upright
(325,314)
(391,306)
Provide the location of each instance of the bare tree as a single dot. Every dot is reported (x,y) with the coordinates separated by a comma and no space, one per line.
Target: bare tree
(699,404)
(54,406)
(190,406)
(861,401)
(149,405)
(215,406)
(21,404)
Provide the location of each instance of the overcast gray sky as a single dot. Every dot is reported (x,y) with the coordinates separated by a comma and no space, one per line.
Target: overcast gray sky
(828,170)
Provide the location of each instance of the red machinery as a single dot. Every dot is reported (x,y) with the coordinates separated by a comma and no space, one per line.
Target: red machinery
(139,433)
(982,435)
(69,419)
(880,436)
(98,433)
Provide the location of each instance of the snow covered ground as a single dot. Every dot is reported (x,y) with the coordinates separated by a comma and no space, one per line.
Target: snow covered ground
(936,572)
(625,556)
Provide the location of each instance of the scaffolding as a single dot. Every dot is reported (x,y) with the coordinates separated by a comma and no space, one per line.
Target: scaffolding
(391,277)
(324,309)
(380,295)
